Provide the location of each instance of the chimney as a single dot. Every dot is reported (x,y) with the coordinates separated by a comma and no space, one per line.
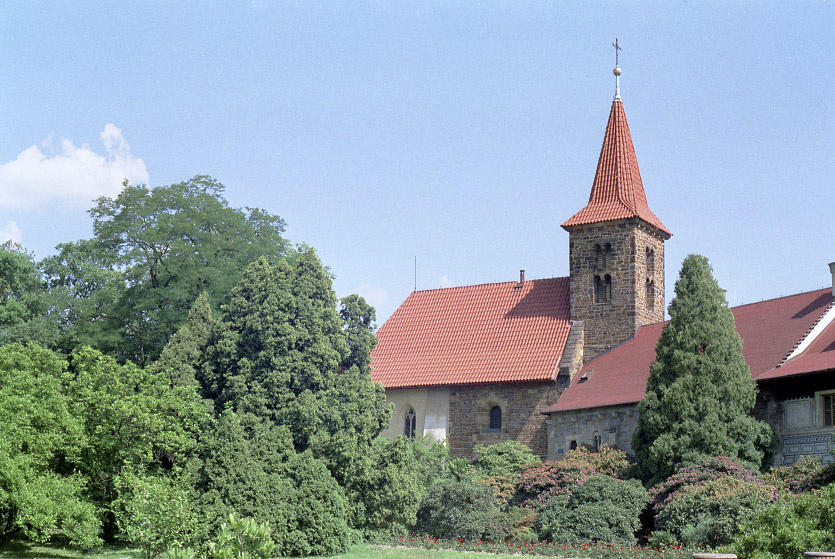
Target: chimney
(832,271)
(521,278)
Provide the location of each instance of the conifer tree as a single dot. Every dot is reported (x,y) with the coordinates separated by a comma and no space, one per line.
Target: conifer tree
(700,393)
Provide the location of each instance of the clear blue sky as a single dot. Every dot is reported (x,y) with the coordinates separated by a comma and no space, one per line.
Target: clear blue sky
(460,133)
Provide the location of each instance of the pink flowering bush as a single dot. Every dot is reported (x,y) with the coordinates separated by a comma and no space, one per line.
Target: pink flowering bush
(539,483)
(804,475)
(707,502)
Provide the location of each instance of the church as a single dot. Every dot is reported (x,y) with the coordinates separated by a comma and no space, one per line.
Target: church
(556,363)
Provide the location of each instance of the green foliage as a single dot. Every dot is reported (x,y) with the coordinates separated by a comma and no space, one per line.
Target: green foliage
(387,497)
(182,357)
(503,459)
(790,527)
(705,503)
(40,440)
(243,538)
(462,508)
(25,303)
(133,419)
(700,393)
(539,483)
(317,522)
(243,470)
(154,513)
(602,509)
(250,468)
(154,251)
(358,320)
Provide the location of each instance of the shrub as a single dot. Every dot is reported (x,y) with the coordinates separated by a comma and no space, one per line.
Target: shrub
(539,483)
(711,513)
(603,509)
(503,459)
(154,513)
(243,539)
(460,509)
(805,474)
(706,503)
(790,527)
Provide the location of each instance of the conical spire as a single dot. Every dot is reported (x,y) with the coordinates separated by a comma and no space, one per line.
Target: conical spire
(617,192)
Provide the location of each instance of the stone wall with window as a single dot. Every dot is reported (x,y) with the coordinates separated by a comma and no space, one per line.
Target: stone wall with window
(430,407)
(617,281)
(488,414)
(592,427)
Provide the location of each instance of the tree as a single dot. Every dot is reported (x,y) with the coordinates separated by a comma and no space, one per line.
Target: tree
(26,308)
(40,441)
(700,393)
(278,354)
(358,318)
(154,251)
(183,355)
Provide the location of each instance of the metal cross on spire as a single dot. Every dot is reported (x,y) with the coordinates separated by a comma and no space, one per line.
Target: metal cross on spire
(617,70)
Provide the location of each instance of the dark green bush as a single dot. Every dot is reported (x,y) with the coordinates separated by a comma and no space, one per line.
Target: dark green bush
(462,508)
(502,459)
(603,509)
(788,528)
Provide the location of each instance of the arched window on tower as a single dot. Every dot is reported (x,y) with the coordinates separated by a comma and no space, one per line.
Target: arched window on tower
(411,422)
(601,257)
(650,261)
(496,418)
(650,294)
(603,289)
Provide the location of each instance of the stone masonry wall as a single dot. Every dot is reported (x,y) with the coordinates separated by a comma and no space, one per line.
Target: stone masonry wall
(611,426)
(521,404)
(607,324)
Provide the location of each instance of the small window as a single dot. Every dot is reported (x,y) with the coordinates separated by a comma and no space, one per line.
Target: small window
(496,418)
(572,445)
(598,442)
(409,429)
(650,294)
(828,401)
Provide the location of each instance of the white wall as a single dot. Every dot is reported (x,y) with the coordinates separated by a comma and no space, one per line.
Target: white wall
(431,407)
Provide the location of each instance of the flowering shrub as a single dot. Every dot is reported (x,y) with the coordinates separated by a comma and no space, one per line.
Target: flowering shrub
(707,502)
(711,469)
(539,483)
(805,474)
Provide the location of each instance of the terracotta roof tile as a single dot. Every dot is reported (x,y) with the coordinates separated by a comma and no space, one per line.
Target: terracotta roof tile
(617,191)
(496,332)
(769,331)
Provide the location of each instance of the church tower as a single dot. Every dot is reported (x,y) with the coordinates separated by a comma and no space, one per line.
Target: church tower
(616,247)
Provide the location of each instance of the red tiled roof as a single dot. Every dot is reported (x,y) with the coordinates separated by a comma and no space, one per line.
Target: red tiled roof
(496,332)
(617,191)
(769,332)
(818,357)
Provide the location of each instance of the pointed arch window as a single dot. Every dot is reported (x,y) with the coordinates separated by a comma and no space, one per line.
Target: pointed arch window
(410,424)
(496,418)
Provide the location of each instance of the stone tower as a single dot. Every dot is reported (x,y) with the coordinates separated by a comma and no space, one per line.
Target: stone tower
(616,248)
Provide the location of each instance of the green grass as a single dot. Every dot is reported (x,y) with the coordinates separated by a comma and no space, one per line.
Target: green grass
(22,549)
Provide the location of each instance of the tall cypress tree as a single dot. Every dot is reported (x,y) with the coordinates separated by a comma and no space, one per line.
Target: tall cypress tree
(700,393)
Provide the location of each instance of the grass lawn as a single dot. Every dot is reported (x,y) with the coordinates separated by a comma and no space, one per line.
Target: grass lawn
(21,549)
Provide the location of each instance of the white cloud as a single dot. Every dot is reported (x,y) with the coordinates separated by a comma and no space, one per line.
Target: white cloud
(446,282)
(374,296)
(11,233)
(75,175)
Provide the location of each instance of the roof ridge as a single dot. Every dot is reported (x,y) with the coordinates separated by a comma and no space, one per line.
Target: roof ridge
(780,297)
(806,334)
(514,282)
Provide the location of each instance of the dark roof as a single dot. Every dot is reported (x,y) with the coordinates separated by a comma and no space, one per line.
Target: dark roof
(495,332)
(617,191)
(769,331)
